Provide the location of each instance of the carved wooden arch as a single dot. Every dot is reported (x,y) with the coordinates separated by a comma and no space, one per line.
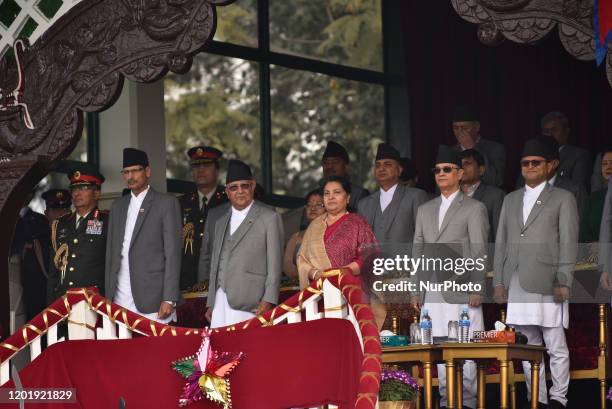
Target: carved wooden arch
(529,21)
(77,66)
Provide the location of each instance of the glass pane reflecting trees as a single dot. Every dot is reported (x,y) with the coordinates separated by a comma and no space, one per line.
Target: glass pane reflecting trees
(216,103)
(307,110)
(347,32)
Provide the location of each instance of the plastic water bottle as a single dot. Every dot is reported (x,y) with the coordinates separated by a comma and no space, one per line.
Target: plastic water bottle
(426,336)
(464,326)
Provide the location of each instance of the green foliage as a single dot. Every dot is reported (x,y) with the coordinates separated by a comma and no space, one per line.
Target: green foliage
(394,390)
(217,102)
(238,25)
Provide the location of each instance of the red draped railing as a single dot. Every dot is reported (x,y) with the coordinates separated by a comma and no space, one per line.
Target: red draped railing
(349,286)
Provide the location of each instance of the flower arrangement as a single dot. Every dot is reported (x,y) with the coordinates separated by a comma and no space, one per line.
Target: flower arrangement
(397,385)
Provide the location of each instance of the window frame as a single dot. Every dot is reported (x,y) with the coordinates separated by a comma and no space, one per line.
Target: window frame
(265,58)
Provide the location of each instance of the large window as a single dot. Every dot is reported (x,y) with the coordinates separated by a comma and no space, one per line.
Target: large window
(281,78)
(216,103)
(307,110)
(343,32)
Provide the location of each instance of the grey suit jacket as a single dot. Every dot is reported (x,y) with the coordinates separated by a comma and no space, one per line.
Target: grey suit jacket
(605,232)
(254,270)
(578,190)
(357,193)
(401,214)
(543,250)
(155,250)
(493,198)
(463,234)
(576,164)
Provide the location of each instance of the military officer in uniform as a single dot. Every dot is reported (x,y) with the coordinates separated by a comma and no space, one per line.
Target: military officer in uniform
(79,238)
(57,203)
(195,205)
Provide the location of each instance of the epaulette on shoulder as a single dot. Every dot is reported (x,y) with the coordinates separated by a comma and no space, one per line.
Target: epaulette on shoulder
(221,191)
(65,216)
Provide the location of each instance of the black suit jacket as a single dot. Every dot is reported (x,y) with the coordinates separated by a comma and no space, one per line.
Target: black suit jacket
(86,252)
(493,198)
(193,230)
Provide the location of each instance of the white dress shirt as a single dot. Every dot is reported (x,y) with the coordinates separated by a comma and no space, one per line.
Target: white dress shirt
(446,202)
(208,197)
(386,197)
(530,198)
(238,217)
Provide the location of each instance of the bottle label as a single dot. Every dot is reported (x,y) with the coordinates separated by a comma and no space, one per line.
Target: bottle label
(426,324)
(464,323)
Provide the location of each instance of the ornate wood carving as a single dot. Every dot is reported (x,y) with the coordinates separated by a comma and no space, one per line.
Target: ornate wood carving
(529,21)
(78,66)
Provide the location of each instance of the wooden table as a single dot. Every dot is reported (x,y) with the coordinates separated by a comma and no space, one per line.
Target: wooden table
(427,355)
(454,354)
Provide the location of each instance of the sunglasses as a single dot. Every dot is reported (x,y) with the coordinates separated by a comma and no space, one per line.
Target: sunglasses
(445,169)
(534,163)
(242,186)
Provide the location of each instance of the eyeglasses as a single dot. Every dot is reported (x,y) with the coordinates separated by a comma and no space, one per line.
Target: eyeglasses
(129,171)
(243,186)
(314,206)
(534,163)
(445,169)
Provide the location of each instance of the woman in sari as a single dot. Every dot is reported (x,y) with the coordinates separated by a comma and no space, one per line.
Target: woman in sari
(337,239)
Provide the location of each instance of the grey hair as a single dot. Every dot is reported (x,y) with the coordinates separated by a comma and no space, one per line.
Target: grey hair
(555,116)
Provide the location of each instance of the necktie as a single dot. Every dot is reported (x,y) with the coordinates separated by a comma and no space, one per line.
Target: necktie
(78,221)
(204,202)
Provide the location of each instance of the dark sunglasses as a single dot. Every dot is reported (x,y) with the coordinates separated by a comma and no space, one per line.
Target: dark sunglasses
(243,186)
(445,169)
(534,163)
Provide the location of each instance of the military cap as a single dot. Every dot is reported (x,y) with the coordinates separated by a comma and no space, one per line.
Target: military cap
(85,175)
(57,198)
(204,154)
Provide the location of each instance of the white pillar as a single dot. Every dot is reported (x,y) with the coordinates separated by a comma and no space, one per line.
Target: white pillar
(136,120)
